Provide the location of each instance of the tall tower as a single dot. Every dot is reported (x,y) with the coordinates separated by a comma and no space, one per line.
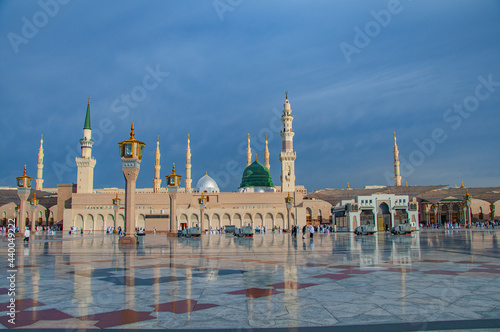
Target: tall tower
(157,179)
(397,176)
(188,167)
(39,167)
(86,164)
(249,152)
(266,156)
(287,155)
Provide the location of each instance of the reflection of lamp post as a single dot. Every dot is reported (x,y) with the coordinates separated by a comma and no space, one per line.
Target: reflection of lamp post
(131,153)
(202,201)
(34,205)
(173,181)
(23,191)
(289,203)
(434,212)
(116,207)
(467,201)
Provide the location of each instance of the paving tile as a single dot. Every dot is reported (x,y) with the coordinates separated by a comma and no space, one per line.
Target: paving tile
(290,285)
(21,304)
(182,306)
(334,276)
(117,318)
(26,318)
(444,272)
(356,271)
(255,292)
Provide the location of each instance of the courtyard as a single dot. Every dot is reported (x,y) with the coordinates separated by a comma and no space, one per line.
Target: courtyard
(430,280)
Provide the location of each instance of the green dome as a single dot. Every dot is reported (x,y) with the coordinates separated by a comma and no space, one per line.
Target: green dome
(256,175)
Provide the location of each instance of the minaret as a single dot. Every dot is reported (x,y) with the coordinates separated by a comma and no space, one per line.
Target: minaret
(157,179)
(39,167)
(188,179)
(86,164)
(249,152)
(287,155)
(266,156)
(397,176)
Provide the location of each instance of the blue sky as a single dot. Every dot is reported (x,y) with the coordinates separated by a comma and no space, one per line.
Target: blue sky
(222,69)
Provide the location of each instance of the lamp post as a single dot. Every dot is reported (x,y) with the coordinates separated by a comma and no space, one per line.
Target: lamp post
(131,155)
(289,203)
(492,211)
(173,181)
(116,207)
(467,203)
(202,201)
(23,191)
(34,205)
(16,213)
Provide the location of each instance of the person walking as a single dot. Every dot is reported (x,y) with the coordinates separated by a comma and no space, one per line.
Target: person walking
(27,235)
(304,231)
(311,230)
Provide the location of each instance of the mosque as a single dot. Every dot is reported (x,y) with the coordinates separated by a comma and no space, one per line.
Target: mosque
(257,202)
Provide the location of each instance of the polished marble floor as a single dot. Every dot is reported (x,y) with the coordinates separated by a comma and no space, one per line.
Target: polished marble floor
(430,280)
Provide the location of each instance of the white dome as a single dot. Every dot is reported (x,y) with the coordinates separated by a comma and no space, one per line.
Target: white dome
(206,183)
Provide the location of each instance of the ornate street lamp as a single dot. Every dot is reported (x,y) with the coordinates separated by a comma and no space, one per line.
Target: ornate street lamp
(289,203)
(34,205)
(202,201)
(467,203)
(23,191)
(131,153)
(173,181)
(116,207)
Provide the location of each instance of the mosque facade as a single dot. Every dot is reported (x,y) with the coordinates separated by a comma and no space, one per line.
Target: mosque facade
(258,202)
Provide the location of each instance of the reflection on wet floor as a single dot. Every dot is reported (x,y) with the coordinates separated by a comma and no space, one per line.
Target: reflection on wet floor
(270,280)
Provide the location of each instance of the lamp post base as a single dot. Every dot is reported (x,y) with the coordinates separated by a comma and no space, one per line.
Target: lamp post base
(127,240)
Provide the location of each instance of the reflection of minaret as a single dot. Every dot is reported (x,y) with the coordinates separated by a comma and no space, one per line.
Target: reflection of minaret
(397,176)
(86,164)
(249,152)
(39,167)
(287,155)
(266,156)
(157,179)
(188,179)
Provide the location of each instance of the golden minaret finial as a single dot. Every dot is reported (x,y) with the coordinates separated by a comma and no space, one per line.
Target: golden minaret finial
(132,134)
(88,101)
(389,191)
(348,187)
(117,195)
(462,185)
(34,195)
(173,168)
(256,157)
(406,183)
(286,95)
(24,172)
